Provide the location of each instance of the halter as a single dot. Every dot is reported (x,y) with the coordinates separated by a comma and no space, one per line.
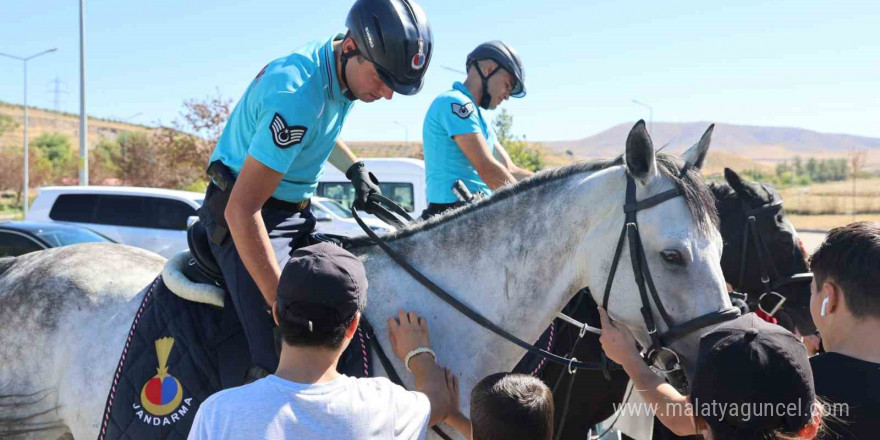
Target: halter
(630,233)
(750,230)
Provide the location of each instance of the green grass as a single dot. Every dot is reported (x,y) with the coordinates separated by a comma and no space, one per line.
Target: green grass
(10,209)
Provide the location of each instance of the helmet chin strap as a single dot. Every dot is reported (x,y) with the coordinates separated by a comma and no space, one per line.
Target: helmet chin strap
(485,99)
(344,56)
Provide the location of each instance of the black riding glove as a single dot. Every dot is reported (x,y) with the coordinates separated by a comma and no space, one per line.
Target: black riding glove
(364,182)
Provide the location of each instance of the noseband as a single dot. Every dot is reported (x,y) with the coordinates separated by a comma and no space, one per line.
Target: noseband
(630,233)
(770,285)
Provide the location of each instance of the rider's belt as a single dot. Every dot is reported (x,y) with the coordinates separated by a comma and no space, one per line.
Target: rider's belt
(274,203)
(219,190)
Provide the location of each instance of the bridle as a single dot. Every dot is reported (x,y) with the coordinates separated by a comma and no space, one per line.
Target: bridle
(769,284)
(630,232)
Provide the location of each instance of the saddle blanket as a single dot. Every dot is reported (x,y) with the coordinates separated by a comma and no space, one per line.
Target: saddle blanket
(178,353)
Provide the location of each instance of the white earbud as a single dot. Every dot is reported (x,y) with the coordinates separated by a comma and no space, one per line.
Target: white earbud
(824,303)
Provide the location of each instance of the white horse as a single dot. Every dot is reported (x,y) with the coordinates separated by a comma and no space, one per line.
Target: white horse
(516,258)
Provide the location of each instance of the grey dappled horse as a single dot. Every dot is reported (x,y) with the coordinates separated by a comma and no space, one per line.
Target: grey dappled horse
(516,257)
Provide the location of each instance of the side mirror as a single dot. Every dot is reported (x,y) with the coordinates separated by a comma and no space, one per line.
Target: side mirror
(190,220)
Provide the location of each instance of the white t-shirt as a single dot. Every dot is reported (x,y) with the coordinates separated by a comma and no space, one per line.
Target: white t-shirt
(346,408)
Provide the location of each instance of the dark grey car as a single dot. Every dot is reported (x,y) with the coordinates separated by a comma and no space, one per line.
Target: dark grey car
(21,237)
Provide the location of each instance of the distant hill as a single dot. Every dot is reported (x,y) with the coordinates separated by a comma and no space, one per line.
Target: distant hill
(606,144)
(414,150)
(768,145)
(43,121)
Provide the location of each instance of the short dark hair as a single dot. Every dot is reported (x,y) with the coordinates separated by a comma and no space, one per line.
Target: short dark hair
(294,334)
(508,406)
(850,255)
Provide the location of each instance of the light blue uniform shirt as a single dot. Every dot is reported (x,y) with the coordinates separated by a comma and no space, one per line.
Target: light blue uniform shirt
(452,113)
(288,119)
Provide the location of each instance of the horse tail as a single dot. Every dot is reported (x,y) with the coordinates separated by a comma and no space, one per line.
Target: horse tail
(27,413)
(24,414)
(5,263)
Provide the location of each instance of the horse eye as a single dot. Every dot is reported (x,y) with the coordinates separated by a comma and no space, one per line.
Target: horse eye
(673,257)
(779,218)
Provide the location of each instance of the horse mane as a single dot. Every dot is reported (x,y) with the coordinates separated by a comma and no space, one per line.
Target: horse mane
(699,199)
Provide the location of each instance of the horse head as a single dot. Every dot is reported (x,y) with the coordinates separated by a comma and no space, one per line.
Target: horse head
(771,247)
(680,250)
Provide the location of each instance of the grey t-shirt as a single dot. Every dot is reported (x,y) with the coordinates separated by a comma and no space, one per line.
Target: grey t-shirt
(346,408)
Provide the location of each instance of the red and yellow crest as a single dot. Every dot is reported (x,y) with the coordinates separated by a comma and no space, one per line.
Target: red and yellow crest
(162,394)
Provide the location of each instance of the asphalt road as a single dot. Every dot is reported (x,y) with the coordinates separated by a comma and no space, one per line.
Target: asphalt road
(811,240)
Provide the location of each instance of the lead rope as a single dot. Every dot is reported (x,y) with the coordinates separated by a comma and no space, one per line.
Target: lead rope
(605,363)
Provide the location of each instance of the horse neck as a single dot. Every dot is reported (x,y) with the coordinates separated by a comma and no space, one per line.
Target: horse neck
(514,261)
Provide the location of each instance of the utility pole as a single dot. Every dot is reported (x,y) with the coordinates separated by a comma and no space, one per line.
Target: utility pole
(83,124)
(56,91)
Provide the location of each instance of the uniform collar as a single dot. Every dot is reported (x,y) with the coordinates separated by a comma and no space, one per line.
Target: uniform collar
(333,89)
(461,88)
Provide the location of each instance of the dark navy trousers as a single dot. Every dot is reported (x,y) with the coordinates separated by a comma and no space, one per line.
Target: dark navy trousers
(288,231)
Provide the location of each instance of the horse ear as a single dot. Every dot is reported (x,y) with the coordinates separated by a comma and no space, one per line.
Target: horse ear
(742,187)
(734,180)
(639,157)
(696,154)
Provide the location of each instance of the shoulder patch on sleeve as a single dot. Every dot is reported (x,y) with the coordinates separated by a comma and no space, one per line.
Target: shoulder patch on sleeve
(462,110)
(285,136)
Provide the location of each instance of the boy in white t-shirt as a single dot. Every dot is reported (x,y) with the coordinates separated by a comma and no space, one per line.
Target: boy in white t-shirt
(321,294)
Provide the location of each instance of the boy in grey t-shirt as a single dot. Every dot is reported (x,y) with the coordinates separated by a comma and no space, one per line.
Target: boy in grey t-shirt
(321,295)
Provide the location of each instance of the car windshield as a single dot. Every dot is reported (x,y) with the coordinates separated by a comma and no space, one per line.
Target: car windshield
(336,208)
(64,237)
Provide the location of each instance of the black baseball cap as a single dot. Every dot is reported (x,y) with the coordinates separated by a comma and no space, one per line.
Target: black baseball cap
(749,362)
(321,286)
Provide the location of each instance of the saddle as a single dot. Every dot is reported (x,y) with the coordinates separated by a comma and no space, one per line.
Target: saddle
(183,332)
(201,266)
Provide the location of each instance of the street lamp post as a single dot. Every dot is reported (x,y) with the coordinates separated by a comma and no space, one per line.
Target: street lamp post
(405,133)
(83,118)
(650,114)
(24,62)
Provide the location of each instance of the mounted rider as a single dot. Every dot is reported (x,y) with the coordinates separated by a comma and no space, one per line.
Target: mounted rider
(459,143)
(279,137)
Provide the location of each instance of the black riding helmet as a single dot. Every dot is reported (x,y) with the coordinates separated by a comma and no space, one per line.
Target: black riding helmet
(395,36)
(506,57)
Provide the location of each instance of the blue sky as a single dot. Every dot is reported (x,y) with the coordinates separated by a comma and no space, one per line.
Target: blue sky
(809,64)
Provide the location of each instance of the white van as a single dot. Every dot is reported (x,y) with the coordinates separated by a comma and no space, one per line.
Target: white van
(401,180)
